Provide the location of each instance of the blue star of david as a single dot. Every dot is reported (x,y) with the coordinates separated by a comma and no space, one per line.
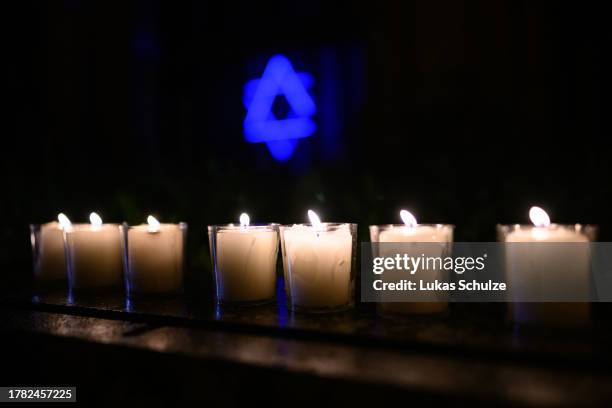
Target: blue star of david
(261,125)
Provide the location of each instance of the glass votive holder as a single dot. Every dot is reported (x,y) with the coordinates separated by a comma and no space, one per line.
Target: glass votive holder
(320,266)
(244,263)
(539,261)
(48,256)
(154,258)
(94,256)
(431,240)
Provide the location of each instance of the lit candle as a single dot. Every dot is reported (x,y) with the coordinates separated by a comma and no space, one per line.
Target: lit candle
(94,254)
(48,250)
(318,261)
(244,260)
(541,265)
(154,257)
(416,239)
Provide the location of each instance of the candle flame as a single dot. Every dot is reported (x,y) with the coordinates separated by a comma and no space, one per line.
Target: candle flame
(245,220)
(538,217)
(95,219)
(408,219)
(153,223)
(64,221)
(315,220)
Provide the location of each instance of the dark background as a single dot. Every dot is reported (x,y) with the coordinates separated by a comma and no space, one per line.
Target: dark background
(465,112)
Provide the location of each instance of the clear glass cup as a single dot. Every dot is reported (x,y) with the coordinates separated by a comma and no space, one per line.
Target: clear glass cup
(244,263)
(94,256)
(48,255)
(319,266)
(422,236)
(154,258)
(537,255)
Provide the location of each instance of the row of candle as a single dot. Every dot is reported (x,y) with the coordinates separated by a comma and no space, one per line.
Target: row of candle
(97,254)
(318,258)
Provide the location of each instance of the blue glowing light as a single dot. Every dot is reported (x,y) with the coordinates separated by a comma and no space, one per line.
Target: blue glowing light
(261,125)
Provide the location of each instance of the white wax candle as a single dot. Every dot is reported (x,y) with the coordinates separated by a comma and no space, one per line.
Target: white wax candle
(246,263)
(155,258)
(94,256)
(529,267)
(50,259)
(318,266)
(417,240)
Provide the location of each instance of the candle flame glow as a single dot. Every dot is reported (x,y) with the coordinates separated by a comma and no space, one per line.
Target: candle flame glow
(95,219)
(153,223)
(408,219)
(63,221)
(538,217)
(315,220)
(245,220)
